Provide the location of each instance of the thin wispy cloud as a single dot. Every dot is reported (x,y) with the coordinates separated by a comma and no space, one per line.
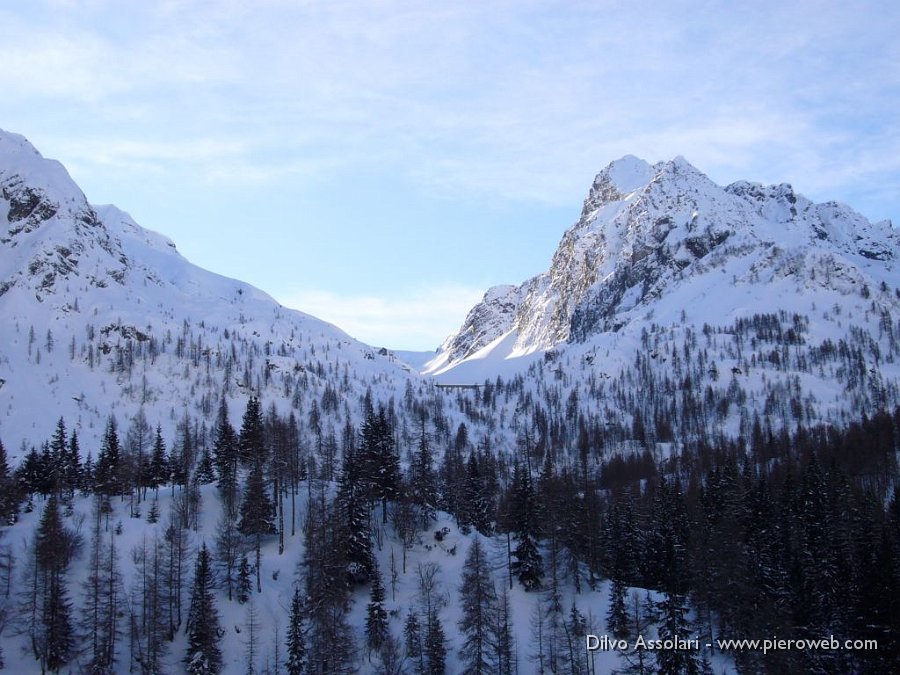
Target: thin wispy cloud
(517,97)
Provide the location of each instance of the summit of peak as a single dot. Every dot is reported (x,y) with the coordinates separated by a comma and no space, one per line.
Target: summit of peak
(628,173)
(614,183)
(22,166)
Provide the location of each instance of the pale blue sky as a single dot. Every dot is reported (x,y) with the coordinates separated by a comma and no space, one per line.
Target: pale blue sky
(380,164)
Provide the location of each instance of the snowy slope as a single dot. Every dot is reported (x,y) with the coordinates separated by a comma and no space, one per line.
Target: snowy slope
(102,316)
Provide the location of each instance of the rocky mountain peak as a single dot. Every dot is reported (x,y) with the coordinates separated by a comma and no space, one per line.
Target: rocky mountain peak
(618,179)
(50,230)
(646,231)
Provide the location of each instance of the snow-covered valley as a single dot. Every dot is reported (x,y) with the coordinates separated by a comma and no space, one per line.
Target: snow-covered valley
(596,451)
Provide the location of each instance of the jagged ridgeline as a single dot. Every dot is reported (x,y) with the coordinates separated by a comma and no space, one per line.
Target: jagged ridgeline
(692,413)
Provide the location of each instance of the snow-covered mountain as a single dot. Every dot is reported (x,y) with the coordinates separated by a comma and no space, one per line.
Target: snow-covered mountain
(677,316)
(103,316)
(664,244)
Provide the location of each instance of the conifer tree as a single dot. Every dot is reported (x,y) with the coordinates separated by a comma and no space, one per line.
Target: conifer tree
(575,630)
(329,637)
(58,459)
(617,616)
(376,615)
(432,601)
(353,514)
(54,548)
(674,625)
(477,598)
(435,643)
(422,481)
(251,444)
(380,463)
(476,507)
(296,638)
(9,492)
(108,471)
(31,475)
(74,478)
(227,458)
(228,542)
(244,584)
(181,455)
(153,512)
(157,467)
(205,473)
(412,636)
(137,442)
(203,655)
(527,565)
(638,660)
(257,514)
(175,550)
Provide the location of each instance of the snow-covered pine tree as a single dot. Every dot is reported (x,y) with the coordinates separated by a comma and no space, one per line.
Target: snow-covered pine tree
(203,655)
(353,515)
(381,465)
(297,659)
(617,615)
(74,474)
(422,482)
(58,458)
(9,494)
(257,514)
(376,615)
(251,443)
(227,459)
(675,625)
(205,472)
(477,510)
(477,597)
(412,638)
(108,473)
(54,549)
(330,638)
(527,565)
(432,601)
(137,446)
(435,643)
(244,583)
(157,467)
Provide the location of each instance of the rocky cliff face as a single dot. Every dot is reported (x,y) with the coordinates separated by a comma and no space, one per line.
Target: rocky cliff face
(646,230)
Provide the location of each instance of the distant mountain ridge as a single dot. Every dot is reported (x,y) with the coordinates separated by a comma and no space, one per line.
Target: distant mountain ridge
(647,234)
